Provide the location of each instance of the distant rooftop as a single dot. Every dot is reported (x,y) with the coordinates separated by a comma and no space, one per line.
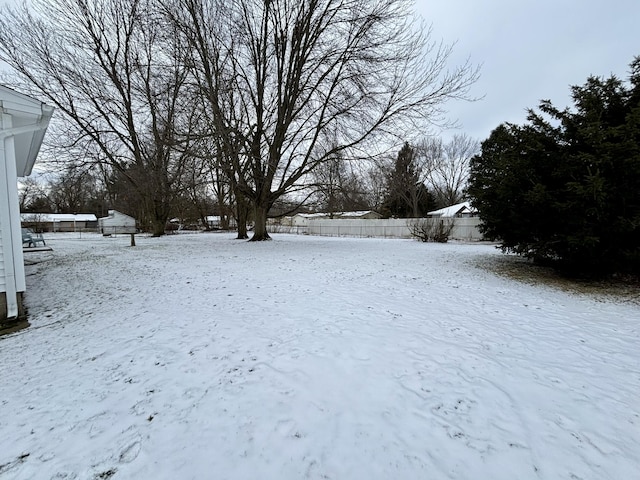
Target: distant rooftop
(58,217)
(358,213)
(453,210)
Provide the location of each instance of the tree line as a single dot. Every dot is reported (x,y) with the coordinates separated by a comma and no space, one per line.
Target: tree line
(419,178)
(194,104)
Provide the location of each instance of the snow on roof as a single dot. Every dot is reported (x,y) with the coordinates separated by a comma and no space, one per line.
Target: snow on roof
(311,215)
(112,213)
(359,213)
(58,217)
(453,210)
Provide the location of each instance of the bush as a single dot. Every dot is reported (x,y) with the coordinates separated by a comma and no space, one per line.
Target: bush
(432,229)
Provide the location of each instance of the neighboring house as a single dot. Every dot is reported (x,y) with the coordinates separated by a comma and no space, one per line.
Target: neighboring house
(23,123)
(362,214)
(116,222)
(59,222)
(459,210)
(302,219)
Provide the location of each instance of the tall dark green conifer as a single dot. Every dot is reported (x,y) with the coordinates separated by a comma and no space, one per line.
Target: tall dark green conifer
(565,187)
(407,195)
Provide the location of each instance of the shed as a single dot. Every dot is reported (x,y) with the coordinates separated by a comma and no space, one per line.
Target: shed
(116,222)
(23,124)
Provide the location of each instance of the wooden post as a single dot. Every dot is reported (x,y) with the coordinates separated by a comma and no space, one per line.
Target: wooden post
(133,239)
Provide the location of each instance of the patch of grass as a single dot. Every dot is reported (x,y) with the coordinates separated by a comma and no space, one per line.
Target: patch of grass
(105,475)
(624,289)
(12,327)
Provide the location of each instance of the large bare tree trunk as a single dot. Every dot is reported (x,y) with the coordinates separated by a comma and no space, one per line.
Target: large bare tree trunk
(415,206)
(242,225)
(158,227)
(242,209)
(260,223)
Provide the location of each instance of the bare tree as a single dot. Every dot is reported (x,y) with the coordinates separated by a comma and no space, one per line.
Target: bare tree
(112,69)
(195,193)
(449,166)
(224,162)
(72,190)
(376,182)
(31,192)
(338,188)
(278,74)
(222,141)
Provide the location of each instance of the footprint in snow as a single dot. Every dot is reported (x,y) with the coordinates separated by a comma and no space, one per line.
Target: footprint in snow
(64,476)
(130,453)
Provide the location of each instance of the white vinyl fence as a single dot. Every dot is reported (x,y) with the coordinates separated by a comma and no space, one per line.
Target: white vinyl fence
(465,228)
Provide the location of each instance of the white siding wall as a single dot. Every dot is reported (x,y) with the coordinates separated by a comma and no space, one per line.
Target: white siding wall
(117,223)
(3,279)
(12,271)
(5,122)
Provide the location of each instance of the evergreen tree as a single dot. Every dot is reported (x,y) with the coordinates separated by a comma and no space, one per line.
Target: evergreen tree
(565,187)
(407,195)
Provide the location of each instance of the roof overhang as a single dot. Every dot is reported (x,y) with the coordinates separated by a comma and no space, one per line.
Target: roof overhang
(29,122)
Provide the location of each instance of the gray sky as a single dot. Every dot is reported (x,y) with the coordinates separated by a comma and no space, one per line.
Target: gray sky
(531,51)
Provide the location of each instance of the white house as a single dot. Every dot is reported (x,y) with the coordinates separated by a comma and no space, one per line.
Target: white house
(23,123)
(116,222)
(463,209)
(303,219)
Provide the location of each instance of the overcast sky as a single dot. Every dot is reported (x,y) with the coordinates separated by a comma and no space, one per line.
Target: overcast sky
(532,50)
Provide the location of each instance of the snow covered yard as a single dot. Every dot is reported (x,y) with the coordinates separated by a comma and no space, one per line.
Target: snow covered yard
(201,357)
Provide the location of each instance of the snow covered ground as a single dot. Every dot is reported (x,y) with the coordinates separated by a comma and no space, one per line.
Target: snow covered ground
(201,357)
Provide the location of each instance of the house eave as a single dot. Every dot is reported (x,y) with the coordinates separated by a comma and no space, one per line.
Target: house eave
(30,119)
